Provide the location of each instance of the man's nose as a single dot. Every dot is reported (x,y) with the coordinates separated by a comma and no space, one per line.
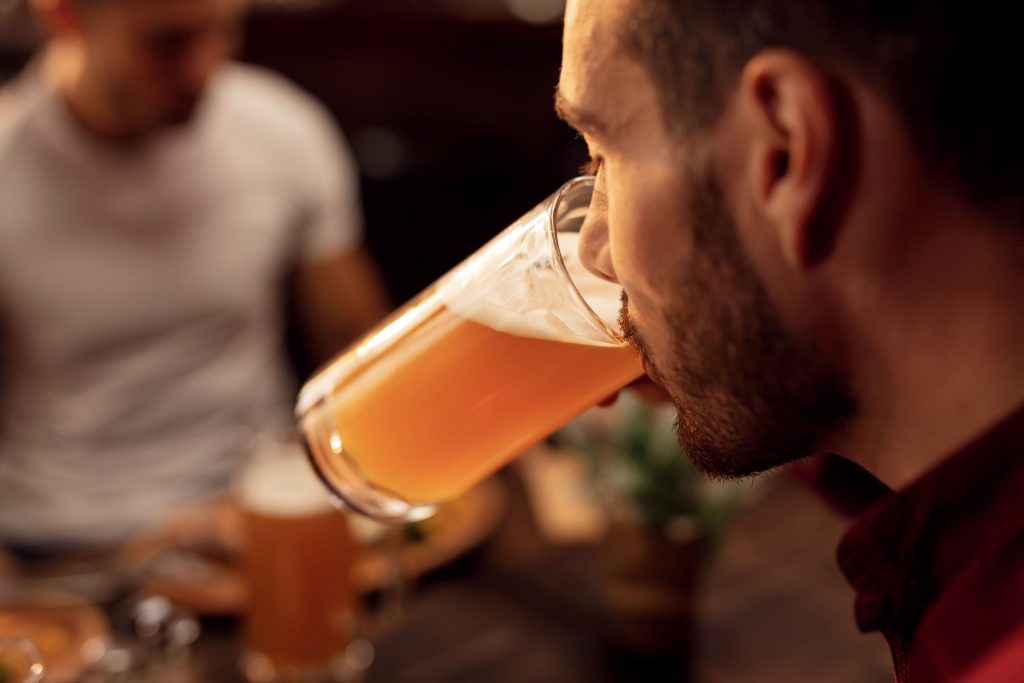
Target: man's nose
(594,249)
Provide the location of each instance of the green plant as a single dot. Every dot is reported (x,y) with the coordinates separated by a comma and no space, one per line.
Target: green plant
(641,473)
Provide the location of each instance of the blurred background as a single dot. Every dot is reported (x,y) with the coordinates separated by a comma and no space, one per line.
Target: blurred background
(447,105)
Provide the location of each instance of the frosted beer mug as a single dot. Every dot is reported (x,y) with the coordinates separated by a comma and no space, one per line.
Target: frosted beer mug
(493,357)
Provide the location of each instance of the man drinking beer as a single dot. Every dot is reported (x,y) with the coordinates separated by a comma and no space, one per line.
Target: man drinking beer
(815,211)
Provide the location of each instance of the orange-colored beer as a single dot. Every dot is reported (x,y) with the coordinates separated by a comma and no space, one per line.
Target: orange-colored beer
(453,400)
(302,601)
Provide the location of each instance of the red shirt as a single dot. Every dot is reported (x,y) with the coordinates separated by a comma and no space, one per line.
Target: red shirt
(1004,665)
(939,566)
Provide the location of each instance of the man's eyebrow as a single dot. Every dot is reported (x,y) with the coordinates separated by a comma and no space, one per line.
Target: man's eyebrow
(580,119)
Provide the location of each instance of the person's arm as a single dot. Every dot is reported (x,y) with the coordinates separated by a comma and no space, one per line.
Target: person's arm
(336,300)
(336,291)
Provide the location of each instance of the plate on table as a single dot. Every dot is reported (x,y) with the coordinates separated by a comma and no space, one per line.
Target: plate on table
(61,627)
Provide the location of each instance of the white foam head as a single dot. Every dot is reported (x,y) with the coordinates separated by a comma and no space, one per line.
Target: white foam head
(530,299)
(279,482)
(603,297)
(509,286)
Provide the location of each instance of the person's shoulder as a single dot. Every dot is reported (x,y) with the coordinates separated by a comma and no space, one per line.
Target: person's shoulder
(19,106)
(270,103)
(17,101)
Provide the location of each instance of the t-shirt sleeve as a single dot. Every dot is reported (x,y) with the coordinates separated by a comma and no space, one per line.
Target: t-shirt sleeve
(332,217)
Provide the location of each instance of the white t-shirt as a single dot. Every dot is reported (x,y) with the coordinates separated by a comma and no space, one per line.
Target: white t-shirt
(141,298)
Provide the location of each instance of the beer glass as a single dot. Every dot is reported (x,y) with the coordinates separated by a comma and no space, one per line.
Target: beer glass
(493,357)
(299,558)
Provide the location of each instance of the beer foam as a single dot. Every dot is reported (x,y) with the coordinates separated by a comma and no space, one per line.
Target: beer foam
(279,482)
(603,297)
(523,296)
(531,299)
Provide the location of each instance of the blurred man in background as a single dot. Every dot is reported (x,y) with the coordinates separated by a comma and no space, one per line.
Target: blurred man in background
(157,199)
(816,212)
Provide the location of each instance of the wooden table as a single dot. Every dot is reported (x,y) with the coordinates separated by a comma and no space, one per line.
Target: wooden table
(774,608)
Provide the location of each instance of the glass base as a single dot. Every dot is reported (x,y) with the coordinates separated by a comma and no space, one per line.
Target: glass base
(350,488)
(350,666)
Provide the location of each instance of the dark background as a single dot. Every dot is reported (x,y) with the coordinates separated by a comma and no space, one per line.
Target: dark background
(450,118)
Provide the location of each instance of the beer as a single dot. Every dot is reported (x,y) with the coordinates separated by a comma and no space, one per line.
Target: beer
(507,347)
(456,399)
(458,385)
(299,557)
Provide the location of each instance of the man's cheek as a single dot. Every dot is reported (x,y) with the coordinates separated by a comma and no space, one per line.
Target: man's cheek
(638,261)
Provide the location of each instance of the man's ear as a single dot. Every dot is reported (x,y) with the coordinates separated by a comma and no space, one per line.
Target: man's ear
(799,168)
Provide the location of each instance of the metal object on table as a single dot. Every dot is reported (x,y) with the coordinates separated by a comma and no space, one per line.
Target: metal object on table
(156,645)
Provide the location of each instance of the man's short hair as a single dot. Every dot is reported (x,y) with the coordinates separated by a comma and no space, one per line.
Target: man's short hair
(949,67)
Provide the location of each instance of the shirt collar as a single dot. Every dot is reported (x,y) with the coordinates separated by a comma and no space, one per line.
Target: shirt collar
(904,549)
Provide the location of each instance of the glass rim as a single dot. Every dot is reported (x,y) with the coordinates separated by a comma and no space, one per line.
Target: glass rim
(552,216)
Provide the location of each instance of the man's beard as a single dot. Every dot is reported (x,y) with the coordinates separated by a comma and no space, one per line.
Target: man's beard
(748,396)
